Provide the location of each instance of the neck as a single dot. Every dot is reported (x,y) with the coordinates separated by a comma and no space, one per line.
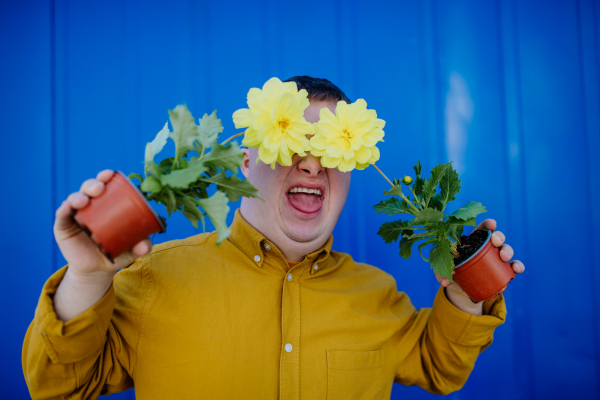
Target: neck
(291,249)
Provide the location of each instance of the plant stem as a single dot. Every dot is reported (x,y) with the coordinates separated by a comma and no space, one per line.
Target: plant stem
(233,137)
(390,182)
(382,174)
(416,198)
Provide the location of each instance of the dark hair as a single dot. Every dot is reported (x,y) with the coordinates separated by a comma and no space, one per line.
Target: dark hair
(319,89)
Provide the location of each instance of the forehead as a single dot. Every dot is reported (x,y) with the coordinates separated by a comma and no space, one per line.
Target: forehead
(311,114)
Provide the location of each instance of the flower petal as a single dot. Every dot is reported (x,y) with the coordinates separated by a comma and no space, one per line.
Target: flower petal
(242,118)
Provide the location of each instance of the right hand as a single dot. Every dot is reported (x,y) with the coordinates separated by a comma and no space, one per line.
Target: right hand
(83,256)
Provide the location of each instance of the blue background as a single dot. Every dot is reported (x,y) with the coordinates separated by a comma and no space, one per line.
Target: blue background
(509,90)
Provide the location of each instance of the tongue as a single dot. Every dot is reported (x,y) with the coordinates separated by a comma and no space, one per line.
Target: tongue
(307,203)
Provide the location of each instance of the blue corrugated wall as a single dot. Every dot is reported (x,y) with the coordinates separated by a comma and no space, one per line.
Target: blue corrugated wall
(509,90)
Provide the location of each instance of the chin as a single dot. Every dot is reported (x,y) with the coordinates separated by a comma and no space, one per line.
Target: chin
(303,234)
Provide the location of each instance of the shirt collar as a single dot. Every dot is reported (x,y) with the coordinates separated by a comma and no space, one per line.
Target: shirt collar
(253,243)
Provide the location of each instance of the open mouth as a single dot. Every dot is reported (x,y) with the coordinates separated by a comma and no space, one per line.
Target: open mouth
(307,200)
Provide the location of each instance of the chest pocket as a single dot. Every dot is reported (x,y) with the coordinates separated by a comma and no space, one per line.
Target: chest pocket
(354,375)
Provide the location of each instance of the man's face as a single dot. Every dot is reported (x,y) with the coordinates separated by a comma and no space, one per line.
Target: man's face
(289,216)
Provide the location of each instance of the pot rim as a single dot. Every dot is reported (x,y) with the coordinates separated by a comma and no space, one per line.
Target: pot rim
(139,193)
(478,250)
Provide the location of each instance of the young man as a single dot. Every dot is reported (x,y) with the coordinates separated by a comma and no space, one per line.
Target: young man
(273,312)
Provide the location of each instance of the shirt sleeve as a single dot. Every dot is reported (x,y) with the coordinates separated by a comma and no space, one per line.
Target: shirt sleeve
(91,355)
(437,347)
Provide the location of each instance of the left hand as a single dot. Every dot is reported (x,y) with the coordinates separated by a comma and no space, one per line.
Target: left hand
(506,253)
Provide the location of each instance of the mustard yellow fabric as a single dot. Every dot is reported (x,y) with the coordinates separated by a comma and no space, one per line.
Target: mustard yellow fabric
(195,321)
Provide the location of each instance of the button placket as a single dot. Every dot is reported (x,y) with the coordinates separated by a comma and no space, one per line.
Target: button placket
(291,327)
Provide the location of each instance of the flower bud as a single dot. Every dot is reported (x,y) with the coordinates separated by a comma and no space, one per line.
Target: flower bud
(151,184)
(407,180)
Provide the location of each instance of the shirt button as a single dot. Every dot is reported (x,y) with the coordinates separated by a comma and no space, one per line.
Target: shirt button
(267,246)
(290,276)
(257,258)
(316,267)
(288,348)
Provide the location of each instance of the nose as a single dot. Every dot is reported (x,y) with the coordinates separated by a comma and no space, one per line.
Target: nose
(310,165)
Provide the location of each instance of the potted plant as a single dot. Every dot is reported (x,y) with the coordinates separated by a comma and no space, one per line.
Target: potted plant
(122,216)
(471,260)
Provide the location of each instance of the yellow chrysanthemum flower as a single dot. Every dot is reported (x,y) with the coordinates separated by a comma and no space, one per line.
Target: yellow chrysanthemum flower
(275,122)
(347,139)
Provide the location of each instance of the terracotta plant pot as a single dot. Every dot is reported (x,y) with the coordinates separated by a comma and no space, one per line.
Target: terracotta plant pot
(483,275)
(119,218)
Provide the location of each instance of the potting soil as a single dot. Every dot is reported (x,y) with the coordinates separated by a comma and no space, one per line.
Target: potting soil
(470,244)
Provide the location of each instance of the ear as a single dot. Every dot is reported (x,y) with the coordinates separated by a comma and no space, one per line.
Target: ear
(246,163)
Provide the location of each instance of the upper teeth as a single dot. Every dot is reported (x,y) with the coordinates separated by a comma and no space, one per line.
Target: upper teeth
(305,190)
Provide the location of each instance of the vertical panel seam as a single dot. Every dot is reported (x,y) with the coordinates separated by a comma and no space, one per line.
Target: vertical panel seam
(503,112)
(504,126)
(530,388)
(53,177)
(437,84)
(586,161)
(362,247)
(207,65)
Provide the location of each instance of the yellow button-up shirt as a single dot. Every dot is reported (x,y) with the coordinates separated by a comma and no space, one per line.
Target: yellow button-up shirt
(195,321)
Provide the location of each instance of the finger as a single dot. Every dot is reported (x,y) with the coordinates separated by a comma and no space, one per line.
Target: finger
(105,176)
(506,252)
(78,200)
(63,216)
(142,248)
(92,187)
(127,258)
(446,282)
(489,224)
(498,238)
(518,266)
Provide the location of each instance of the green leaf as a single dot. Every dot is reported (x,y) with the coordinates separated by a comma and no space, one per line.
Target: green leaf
(154,147)
(209,130)
(216,207)
(391,206)
(418,186)
(425,243)
(395,191)
(456,221)
(406,245)
(471,210)
(136,176)
(436,203)
(391,231)
(437,173)
(185,131)
(233,186)
(450,185)
(171,204)
(427,216)
(153,169)
(227,157)
(418,169)
(442,261)
(459,231)
(182,178)
(190,206)
(190,216)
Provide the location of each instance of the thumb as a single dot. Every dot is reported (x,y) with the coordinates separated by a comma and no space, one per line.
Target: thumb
(139,250)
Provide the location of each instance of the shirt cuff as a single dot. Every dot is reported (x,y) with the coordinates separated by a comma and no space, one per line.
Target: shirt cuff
(78,338)
(464,328)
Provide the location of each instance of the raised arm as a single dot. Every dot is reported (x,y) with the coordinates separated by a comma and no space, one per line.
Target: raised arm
(75,346)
